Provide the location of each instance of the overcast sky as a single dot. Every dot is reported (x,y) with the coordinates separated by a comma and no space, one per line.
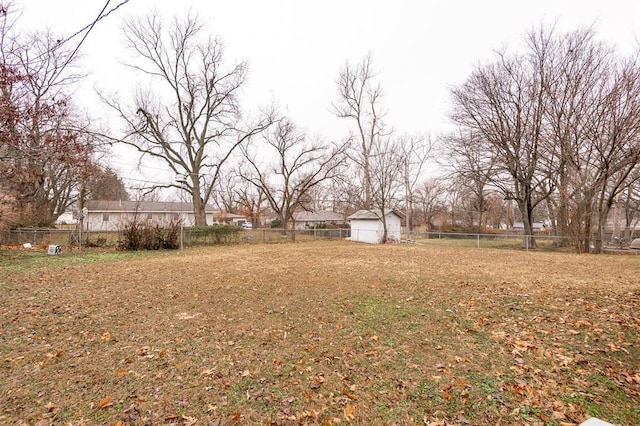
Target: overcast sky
(296,48)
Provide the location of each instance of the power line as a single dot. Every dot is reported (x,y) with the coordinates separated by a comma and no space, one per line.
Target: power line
(90,26)
(87,29)
(140,166)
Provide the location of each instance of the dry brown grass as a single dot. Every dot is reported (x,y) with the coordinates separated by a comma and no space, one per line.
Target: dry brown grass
(320,333)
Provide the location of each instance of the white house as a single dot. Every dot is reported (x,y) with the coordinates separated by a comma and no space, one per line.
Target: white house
(367,226)
(537,226)
(111,215)
(311,220)
(66,218)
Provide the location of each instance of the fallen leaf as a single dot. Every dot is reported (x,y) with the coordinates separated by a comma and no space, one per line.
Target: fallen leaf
(522,345)
(349,411)
(558,415)
(189,421)
(106,402)
(348,394)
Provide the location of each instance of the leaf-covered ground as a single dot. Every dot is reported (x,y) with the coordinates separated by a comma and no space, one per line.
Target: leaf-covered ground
(319,333)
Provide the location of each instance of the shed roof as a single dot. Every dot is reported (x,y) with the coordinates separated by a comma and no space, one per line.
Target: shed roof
(374,214)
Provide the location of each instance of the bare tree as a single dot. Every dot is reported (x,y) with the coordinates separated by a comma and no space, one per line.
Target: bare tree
(224,195)
(503,103)
(236,195)
(430,201)
(617,150)
(298,166)
(188,117)
(592,111)
(359,100)
(472,167)
(630,204)
(252,202)
(563,121)
(345,192)
(415,150)
(387,177)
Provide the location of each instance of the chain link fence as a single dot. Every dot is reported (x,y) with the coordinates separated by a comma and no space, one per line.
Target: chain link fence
(190,237)
(43,237)
(602,242)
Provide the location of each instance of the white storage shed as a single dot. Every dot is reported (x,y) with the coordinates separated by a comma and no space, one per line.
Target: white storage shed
(367,226)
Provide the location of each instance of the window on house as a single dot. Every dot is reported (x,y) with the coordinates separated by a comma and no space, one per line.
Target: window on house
(176,216)
(105,217)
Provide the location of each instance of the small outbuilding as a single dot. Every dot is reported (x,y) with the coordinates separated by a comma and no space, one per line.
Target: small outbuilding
(367,226)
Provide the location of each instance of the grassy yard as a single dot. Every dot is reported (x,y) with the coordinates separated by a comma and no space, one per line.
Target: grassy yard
(319,333)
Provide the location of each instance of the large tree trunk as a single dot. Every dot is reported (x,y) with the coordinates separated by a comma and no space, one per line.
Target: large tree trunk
(199,206)
(526,209)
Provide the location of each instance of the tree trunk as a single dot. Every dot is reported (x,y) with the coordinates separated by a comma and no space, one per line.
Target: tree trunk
(384,226)
(199,211)
(529,240)
(199,206)
(368,196)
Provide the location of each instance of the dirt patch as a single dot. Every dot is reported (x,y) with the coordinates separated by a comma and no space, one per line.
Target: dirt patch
(320,333)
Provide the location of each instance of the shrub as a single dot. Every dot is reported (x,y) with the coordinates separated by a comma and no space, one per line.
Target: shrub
(145,235)
(275,224)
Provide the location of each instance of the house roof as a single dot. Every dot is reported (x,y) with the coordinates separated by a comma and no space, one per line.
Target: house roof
(141,206)
(374,214)
(320,216)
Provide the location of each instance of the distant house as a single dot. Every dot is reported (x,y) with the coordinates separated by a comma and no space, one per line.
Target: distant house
(537,226)
(312,220)
(66,218)
(367,226)
(111,215)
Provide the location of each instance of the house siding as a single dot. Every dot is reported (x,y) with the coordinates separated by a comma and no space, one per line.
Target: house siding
(113,215)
